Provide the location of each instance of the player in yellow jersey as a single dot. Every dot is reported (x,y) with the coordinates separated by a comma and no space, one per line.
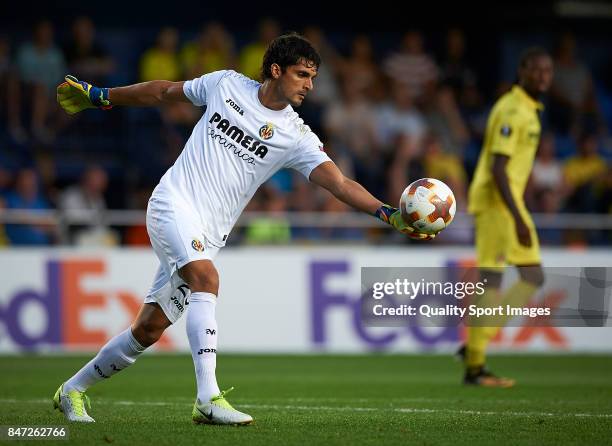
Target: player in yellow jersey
(505,232)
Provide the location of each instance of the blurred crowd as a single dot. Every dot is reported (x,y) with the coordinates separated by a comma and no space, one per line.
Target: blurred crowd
(386,114)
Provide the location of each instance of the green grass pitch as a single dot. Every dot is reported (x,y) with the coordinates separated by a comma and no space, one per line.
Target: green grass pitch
(364,400)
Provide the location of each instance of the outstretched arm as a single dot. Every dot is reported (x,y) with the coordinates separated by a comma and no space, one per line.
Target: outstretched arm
(149,93)
(328,176)
(75,95)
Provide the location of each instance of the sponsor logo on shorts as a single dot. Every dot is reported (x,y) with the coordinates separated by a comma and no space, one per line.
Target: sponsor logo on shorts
(211,331)
(197,245)
(266,131)
(177,304)
(184,289)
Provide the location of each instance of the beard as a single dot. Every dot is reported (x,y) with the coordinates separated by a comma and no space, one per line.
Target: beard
(296,102)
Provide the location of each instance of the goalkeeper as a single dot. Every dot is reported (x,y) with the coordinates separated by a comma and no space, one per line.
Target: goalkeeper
(248,132)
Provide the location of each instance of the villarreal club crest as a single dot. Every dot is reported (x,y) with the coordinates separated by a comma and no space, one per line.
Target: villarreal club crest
(266,131)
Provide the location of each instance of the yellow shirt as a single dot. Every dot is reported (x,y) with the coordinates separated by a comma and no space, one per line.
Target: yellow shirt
(513,129)
(579,170)
(156,64)
(444,166)
(198,62)
(250,60)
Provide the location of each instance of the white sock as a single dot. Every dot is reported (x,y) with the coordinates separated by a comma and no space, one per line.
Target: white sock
(202,334)
(118,353)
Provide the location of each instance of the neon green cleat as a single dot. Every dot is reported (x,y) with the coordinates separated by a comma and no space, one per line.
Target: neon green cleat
(219,411)
(72,405)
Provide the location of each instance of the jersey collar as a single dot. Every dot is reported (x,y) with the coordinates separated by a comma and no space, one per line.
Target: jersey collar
(520,92)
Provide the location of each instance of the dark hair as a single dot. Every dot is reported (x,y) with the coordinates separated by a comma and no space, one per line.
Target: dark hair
(530,54)
(287,50)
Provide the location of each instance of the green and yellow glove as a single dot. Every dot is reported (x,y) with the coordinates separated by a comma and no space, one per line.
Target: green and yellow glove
(393,216)
(75,95)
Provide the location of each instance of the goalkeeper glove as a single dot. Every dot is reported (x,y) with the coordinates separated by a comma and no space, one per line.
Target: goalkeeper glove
(393,216)
(75,95)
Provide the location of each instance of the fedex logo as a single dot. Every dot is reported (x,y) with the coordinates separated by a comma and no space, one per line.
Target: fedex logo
(324,302)
(64,302)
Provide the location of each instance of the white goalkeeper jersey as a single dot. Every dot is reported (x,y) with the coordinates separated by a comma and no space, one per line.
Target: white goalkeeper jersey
(235,147)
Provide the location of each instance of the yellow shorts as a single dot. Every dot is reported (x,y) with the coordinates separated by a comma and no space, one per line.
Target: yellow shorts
(497,244)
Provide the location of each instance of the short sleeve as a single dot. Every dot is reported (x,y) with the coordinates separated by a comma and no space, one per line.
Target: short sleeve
(505,132)
(198,89)
(307,155)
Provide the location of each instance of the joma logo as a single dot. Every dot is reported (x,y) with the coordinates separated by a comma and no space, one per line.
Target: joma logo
(234,106)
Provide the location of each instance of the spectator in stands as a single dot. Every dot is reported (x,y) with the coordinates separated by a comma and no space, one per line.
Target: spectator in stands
(212,50)
(475,111)
(252,54)
(361,66)
(161,61)
(45,165)
(454,68)
(412,66)
(546,177)
(444,119)
(584,175)
(400,117)
(88,194)
(404,166)
(10,94)
(327,87)
(26,195)
(574,106)
(41,68)
(327,90)
(350,126)
(86,201)
(86,58)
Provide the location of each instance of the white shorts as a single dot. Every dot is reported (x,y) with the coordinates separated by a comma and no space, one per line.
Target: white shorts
(178,239)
